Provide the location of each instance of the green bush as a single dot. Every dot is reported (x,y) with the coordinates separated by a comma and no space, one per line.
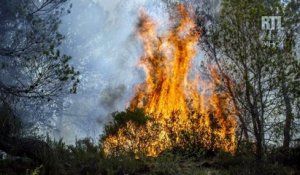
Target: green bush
(119,119)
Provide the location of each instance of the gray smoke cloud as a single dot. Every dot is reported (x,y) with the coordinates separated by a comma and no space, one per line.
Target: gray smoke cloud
(111,95)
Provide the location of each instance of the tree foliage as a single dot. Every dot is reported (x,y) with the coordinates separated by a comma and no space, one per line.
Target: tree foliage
(119,120)
(31,63)
(262,77)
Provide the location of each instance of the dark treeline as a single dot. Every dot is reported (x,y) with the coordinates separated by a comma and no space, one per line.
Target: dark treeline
(263,81)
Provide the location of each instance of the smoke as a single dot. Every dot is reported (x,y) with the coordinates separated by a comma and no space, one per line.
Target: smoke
(111,95)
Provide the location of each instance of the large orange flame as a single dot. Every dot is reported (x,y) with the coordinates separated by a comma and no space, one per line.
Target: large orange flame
(183,112)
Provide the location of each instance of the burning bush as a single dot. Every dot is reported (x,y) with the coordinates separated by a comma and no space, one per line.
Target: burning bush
(181,111)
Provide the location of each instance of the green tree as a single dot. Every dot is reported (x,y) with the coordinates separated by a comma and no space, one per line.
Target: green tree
(289,67)
(31,64)
(34,73)
(257,76)
(32,70)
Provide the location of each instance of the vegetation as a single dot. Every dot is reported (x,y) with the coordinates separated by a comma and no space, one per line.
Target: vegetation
(87,157)
(263,83)
(262,79)
(119,119)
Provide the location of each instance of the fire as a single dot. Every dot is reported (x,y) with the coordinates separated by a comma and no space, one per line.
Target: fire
(183,112)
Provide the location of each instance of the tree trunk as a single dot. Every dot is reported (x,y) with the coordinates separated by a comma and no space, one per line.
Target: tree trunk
(255,117)
(259,134)
(288,116)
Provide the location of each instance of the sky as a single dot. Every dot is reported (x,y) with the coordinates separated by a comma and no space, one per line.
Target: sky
(100,36)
